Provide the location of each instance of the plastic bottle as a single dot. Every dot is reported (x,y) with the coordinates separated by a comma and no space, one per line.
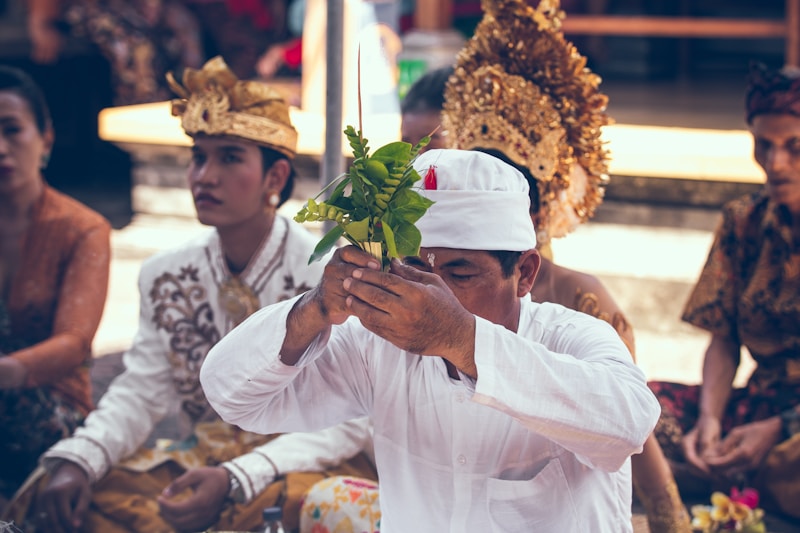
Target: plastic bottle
(273,520)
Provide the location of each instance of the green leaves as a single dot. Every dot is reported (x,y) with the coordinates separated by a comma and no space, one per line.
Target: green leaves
(381,206)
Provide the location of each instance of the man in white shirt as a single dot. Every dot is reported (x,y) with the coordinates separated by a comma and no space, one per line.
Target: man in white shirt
(491,412)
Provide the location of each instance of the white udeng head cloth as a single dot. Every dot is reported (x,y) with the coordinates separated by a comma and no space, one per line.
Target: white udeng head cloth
(481,202)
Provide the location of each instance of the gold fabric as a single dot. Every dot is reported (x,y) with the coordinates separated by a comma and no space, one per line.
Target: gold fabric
(520,88)
(778,480)
(213,101)
(126,499)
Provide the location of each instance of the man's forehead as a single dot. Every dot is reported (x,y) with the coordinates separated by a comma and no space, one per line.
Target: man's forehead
(222,141)
(451,255)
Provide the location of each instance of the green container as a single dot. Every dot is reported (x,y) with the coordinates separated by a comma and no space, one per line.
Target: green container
(410,71)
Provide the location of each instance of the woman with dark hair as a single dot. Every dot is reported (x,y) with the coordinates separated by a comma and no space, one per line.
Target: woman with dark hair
(748,296)
(54,264)
(213,474)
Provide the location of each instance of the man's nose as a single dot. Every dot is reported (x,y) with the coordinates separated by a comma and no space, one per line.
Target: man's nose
(777,160)
(206,175)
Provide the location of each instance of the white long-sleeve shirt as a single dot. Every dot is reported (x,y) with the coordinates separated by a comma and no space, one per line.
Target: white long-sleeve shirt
(180,318)
(540,442)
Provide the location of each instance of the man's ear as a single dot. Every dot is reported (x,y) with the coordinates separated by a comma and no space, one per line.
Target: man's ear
(276,176)
(49,137)
(528,267)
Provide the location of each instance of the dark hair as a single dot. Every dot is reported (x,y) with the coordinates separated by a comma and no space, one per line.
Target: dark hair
(508,260)
(533,189)
(427,93)
(268,158)
(15,80)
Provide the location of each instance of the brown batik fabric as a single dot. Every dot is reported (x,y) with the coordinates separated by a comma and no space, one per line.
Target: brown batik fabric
(749,291)
(140,47)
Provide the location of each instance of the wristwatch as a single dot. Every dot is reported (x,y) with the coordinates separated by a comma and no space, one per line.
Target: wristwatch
(236,492)
(790,421)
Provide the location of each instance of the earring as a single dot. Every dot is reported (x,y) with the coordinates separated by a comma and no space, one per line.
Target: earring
(273,199)
(44,161)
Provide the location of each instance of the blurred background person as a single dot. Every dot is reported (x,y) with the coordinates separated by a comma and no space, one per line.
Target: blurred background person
(54,265)
(748,295)
(241,31)
(141,39)
(421,110)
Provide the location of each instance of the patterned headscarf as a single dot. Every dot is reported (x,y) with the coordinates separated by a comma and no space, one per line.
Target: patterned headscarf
(772,91)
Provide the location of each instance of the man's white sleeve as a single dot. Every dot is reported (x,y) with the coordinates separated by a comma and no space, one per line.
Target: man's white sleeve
(576,384)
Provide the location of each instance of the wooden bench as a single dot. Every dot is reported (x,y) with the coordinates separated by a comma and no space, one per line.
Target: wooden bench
(787,29)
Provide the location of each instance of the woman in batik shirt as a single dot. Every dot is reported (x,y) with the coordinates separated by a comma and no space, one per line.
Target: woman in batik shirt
(748,296)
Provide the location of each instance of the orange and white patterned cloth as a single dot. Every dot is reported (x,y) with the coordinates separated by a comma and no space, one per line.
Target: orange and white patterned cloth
(341,504)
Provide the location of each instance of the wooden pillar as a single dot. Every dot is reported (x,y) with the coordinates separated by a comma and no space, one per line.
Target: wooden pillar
(433,15)
(792,37)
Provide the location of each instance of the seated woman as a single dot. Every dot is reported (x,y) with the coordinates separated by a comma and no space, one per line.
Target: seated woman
(748,295)
(103,478)
(54,263)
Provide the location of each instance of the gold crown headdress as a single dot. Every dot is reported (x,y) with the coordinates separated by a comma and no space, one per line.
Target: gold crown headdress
(520,88)
(215,102)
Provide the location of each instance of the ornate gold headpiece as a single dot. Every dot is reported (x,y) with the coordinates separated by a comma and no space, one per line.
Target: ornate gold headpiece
(520,88)
(215,102)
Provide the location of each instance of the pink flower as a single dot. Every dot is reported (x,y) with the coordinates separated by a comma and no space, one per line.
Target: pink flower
(747,496)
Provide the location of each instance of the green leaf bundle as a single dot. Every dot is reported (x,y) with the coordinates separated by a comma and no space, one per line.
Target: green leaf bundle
(373,204)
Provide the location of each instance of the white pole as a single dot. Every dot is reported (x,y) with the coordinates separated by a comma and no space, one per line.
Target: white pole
(332,158)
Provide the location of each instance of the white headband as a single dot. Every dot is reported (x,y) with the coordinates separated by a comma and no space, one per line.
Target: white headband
(481,202)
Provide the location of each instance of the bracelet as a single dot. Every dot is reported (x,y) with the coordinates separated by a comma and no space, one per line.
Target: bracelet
(236,492)
(790,423)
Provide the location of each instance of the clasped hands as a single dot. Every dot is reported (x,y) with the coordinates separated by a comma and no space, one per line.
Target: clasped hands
(192,502)
(414,310)
(741,451)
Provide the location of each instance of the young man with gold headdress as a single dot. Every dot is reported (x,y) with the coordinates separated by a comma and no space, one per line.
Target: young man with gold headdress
(214,475)
(521,92)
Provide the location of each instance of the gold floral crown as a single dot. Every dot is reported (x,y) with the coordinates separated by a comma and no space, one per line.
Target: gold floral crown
(215,102)
(520,88)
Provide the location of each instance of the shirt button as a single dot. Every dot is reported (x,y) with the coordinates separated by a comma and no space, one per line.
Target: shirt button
(461,460)
(460,397)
